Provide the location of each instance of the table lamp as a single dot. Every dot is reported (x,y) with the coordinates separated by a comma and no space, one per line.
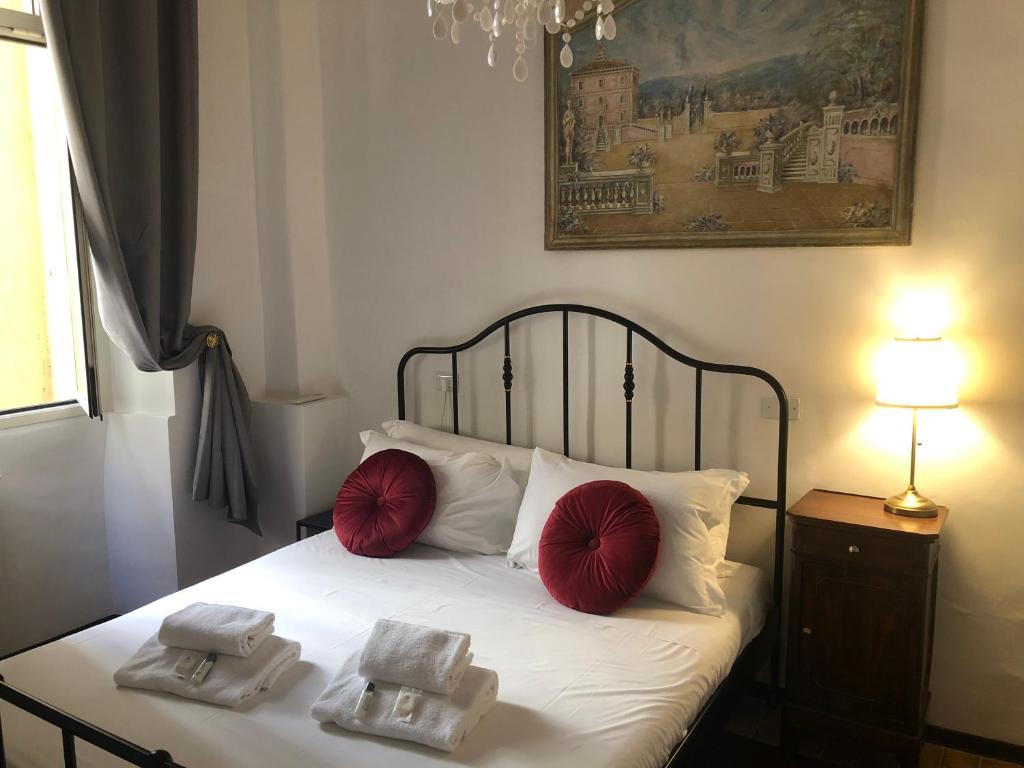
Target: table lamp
(917,374)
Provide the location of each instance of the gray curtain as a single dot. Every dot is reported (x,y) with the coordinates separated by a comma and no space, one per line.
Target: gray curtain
(128,78)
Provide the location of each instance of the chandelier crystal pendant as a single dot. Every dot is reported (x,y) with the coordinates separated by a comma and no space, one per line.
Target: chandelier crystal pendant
(527,17)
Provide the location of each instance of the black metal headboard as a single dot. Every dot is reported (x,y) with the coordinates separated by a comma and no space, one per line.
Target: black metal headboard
(628,386)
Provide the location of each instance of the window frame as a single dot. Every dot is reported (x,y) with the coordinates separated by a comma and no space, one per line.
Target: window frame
(22,28)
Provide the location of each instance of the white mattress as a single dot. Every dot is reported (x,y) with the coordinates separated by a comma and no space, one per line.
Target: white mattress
(575,689)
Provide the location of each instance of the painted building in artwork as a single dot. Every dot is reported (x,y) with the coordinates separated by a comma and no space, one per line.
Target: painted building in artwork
(605,96)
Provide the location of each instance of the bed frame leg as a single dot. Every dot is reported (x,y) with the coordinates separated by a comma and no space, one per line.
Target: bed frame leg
(789,744)
(68,740)
(775,688)
(3,755)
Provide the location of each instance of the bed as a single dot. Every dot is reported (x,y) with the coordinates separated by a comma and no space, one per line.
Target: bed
(645,687)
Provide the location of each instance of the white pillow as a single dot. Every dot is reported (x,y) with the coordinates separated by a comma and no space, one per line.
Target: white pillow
(718,524)
(683,502)
(477,497)
(518,458)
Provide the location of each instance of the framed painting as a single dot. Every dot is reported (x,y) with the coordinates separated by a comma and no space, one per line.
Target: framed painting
(741,123)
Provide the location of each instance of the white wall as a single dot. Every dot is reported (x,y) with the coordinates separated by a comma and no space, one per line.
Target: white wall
(261,244)
(262,268)
(434,188)
(53,547)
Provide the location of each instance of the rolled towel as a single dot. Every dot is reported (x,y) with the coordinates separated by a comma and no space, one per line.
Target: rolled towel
(437,721)
(231,681)
(223,629)
(432,660)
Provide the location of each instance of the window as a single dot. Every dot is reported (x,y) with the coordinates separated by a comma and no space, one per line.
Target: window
(622,99)
(46,342)
(581,85)
(600,83)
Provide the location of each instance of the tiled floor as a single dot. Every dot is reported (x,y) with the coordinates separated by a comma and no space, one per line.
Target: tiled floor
(758,728)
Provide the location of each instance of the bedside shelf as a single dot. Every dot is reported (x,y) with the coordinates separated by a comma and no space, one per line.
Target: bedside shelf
(318,523)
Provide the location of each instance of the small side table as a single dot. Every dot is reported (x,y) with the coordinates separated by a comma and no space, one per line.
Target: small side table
(861,622)
(318,523)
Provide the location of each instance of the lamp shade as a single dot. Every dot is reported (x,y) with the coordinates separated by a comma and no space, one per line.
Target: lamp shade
(918,373)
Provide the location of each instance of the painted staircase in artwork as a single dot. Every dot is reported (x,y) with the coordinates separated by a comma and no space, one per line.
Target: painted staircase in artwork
(807,153)
(795,168)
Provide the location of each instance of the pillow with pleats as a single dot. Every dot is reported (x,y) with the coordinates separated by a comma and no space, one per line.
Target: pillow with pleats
(599,547)
(384,504)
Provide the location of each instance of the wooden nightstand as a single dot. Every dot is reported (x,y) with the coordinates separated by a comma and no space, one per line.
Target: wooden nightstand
(861,621)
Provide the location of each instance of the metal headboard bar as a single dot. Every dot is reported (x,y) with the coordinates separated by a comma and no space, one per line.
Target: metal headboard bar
(697,416)
(628,388)
(700,366)
(455,393)
(565,382)
(71,728)
(506,378)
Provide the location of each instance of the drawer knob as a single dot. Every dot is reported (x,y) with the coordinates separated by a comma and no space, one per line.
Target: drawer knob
(854,549)
(806,631)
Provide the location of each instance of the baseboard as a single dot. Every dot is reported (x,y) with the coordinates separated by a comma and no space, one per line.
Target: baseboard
(60,636)
(976,745)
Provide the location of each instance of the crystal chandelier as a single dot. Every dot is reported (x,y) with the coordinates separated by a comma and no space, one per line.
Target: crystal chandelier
(527,17)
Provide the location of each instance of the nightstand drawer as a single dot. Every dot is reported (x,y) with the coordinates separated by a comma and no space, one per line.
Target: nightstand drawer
(855,547)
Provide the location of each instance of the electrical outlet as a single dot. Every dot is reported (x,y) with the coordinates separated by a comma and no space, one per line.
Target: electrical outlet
(770,408)
(444,381)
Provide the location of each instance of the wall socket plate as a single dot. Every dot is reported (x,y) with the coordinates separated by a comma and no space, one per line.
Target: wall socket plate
(444,381)
(770,408)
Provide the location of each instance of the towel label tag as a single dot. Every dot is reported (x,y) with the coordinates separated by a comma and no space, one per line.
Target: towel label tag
(405,704)
(186,666)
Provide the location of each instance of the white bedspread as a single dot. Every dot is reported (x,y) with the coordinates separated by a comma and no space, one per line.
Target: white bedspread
(576,690)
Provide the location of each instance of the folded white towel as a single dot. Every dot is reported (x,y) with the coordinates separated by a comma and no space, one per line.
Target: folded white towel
(233,680)
(219,628)
(420,657)
(437,721)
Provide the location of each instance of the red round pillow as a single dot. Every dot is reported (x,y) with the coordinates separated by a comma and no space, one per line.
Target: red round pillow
(385,504)
(599,547)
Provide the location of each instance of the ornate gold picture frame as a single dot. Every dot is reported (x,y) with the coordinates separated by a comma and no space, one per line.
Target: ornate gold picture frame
(781,123)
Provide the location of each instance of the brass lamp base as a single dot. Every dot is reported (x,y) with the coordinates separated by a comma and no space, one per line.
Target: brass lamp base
(910,503)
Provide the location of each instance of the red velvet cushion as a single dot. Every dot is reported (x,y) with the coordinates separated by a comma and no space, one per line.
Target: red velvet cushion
(599,547)
(385,504)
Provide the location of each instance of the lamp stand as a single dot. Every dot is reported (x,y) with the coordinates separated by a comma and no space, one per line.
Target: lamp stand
(910,503)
